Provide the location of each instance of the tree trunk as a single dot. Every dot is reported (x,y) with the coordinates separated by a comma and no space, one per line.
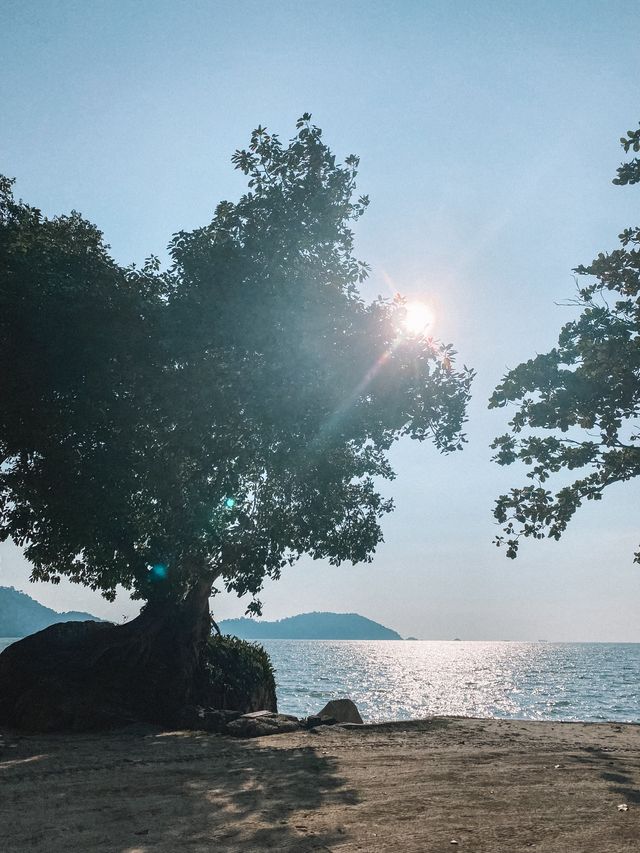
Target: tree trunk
(87,675)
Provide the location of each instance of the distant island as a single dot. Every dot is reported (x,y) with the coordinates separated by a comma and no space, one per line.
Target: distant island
(21,615)
(310,626)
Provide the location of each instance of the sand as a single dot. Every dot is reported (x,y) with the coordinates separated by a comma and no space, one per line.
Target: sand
(488,785)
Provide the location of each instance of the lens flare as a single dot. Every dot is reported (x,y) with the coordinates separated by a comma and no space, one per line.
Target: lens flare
(418,319)
(159,572)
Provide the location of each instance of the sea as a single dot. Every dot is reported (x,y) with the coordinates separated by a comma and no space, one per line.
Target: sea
(404,679)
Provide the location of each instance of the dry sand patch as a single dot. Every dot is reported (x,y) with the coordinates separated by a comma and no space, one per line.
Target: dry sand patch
(489,785)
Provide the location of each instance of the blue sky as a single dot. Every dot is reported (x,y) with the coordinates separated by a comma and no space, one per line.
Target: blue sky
(488,136)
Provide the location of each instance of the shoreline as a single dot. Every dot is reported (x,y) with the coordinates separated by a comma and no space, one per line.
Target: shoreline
(488,784)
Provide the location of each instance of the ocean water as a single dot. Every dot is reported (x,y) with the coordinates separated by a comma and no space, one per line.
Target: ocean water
(402,680)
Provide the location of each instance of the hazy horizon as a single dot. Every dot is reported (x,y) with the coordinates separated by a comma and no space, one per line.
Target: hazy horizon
(488,138)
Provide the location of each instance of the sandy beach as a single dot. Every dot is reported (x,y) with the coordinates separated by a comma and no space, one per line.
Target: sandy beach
(432,785)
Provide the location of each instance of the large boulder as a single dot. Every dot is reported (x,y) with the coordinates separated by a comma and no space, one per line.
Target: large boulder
(341,710)
(50,681)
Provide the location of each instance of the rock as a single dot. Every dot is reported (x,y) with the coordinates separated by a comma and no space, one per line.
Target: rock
(47,681)
(342,710)
(268,715)
(262,723)
(214,720)
(200,719)
(291,717)
(256,715)
(315,720)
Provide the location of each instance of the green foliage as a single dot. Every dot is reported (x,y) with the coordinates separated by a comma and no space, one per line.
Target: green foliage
(310,626)
(77,352)
(585,392)
(629,173)
(220,419)
(238,674)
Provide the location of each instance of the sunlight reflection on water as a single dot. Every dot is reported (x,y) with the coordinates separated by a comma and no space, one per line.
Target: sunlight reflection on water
(399,680)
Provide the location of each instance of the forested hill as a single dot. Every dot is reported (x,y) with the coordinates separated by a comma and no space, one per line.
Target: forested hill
(310,626)
(21,615)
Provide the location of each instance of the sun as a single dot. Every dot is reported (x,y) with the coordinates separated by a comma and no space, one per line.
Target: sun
(418,319)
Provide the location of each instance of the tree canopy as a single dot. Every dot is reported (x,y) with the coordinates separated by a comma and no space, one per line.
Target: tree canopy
(577,406)
(217,419)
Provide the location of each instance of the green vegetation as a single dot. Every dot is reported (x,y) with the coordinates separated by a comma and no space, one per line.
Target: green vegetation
(311,626)
(238,675)
(206,425)
(217,420)
(578,405)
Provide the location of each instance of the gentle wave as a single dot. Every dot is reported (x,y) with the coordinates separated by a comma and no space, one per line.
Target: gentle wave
(401,680)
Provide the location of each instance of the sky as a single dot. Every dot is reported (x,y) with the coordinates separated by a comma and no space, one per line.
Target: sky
(488,137)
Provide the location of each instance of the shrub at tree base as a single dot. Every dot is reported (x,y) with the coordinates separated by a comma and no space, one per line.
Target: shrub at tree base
(238,676)
(83,676)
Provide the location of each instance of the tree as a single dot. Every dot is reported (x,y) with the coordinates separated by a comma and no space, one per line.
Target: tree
(208,425)
(578,405)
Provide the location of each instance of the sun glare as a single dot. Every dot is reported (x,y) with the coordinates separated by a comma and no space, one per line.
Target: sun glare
(418,319)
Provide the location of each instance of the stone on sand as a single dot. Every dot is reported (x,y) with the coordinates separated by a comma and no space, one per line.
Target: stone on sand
(261,723)
(342,710)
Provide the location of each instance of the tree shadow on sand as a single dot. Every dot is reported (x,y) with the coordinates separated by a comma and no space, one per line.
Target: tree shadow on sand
(173,791)
(618,773)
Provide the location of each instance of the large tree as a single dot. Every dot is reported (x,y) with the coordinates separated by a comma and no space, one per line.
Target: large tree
(577,406)
(207,425)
